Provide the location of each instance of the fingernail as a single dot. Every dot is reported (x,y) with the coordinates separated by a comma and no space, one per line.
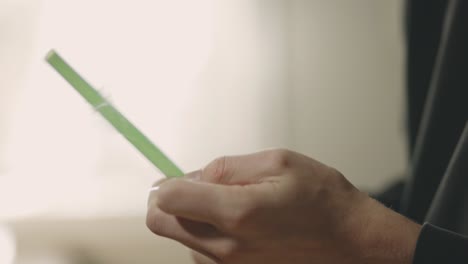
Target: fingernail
(154,188)
(157,184)
(193,176)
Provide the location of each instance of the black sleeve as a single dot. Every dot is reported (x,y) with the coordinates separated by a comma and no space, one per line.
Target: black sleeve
(437,245)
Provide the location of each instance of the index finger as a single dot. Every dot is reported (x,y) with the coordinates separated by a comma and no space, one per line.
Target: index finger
(247,169)
(218,205)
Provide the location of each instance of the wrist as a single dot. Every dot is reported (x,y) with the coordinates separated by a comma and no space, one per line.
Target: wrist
(382,235)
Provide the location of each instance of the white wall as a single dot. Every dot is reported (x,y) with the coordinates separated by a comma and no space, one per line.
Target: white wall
(204,80)
(347,70)
(201,78)
(17,34)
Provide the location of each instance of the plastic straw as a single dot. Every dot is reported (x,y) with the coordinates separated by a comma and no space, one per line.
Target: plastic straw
(118,121)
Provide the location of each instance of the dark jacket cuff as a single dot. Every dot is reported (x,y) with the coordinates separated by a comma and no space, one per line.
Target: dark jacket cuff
(437,245)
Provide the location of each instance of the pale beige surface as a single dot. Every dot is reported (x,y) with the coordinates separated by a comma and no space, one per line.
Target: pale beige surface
(116,241)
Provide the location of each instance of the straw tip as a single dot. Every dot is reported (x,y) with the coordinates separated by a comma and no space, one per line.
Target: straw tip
(50,54)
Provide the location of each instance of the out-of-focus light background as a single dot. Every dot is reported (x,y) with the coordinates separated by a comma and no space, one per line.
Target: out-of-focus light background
(202,79)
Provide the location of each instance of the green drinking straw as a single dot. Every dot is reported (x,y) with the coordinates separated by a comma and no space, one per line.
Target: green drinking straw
(122,124)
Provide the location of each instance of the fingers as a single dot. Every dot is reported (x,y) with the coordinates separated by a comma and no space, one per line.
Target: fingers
(214,199)
(247,169)
(197,236)
(201,259)
(215,204)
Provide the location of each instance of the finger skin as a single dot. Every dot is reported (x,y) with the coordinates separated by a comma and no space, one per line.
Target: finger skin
(199,258)
(280,207)
(197,236)
(209,203)
(247,169)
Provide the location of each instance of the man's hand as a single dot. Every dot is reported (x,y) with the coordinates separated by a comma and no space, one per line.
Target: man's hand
(278,206)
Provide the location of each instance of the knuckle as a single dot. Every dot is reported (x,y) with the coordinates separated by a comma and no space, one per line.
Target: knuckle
(336,173)
(216,170)
(337,179)
(279,159)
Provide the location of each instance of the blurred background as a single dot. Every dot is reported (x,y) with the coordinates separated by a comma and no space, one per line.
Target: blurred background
(202,79)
